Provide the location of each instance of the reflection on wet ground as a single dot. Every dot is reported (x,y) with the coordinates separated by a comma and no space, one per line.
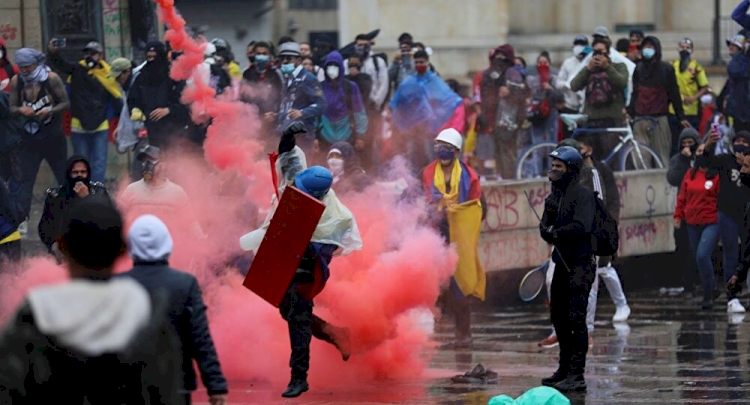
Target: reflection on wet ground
(670,352)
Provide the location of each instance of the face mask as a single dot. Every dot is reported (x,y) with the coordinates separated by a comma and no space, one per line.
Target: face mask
(251,59)
(555,175)
(740,148)
(37,75)
(261,62)
(90,63)
(649,53)
(445,153)
(706,99)
(363,50)
(336,165)
(578,49)
(75,180)
(685,54)
(693,148)
(287,68)
(701,161)
(332,72)
(745,179)
(494,75)
(422,69)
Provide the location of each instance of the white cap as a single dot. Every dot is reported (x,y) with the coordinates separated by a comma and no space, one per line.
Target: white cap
(451,137)
(210,49)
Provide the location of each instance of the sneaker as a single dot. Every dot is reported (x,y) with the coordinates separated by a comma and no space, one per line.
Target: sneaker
(557,377)
(571,383)
(736,318)
(734,306)
(676,291)
(622,314)
(549,342)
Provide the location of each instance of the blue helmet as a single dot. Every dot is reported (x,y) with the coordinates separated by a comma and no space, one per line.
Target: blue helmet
(315,181)
(570,156)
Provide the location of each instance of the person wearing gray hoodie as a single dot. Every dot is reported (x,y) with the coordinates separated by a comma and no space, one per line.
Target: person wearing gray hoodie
(94,339)
(150,246)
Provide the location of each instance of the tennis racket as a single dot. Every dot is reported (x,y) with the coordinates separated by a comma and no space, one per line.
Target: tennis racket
(533,282)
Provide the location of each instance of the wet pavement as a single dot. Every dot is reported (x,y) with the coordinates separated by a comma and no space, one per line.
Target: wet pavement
(669,352)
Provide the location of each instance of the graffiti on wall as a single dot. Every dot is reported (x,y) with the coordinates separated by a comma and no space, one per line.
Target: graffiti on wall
(8,32)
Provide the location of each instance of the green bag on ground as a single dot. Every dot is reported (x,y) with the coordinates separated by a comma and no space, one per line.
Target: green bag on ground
(534,396)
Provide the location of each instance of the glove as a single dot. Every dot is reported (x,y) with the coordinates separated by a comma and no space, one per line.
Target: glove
(296,127)
(137,115)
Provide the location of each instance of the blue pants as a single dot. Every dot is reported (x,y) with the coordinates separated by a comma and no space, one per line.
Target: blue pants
(94,147)
(703,239)
(730,232)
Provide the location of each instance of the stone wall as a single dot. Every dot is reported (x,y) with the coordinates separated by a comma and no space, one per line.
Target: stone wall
(20,24)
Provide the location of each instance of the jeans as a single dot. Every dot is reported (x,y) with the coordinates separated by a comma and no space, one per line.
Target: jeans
(94,146)
(729,229)
(703,239)
(50,146)
(614,286)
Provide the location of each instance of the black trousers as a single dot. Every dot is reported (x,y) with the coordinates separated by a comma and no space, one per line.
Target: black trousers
(303,325)
(568,303)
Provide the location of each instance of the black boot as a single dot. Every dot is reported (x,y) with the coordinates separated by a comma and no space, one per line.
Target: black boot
(296,388)
(558,376)
(571,383)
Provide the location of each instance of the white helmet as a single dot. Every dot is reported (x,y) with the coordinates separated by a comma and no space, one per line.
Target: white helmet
(210,50)
(452,137)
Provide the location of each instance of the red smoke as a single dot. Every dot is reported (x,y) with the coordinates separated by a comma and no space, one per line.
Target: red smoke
(373,292)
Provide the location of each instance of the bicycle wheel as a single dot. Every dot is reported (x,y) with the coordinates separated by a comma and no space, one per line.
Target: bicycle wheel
(629,159)
(527,156)
(533,282)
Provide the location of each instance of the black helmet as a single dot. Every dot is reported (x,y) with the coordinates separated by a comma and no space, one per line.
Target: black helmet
(570,156)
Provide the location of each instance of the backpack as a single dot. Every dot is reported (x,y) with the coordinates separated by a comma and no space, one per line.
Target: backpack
(599,90)
(605,236)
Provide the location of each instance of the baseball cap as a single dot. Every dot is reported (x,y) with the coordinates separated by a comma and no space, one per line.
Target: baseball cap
(581,40)
(148,152)
(738,40)
(601,31)
(118,66)
(289,49)
(93,46)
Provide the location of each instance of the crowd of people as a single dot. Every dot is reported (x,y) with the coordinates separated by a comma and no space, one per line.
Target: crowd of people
(350,112)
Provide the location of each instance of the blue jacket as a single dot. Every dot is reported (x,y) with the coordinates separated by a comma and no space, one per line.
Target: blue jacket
(738,97)
(740,16)
(305,94)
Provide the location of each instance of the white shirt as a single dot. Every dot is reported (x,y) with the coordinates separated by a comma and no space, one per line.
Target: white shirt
(568,71)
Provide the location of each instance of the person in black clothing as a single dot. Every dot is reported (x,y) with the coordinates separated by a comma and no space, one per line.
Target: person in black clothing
(685,278)
(154,98)
(731,201)
(10,218)
(348,176)
(567,224)
(57,204)
(734,286)
(262,84)
(94,339)
(150,246)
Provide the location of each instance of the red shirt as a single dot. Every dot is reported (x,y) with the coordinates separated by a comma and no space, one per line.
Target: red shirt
(697,203)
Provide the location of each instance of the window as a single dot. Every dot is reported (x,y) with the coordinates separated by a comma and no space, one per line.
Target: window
(313,4)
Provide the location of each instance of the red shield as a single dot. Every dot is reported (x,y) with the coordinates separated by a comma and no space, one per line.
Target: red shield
(286,239)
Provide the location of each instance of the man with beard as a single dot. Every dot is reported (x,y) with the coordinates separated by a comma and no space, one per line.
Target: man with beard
(567,225)
(154,98)
(693,83)
(78,186)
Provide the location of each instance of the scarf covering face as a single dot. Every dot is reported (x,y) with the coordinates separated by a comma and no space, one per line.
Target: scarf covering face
(27,57)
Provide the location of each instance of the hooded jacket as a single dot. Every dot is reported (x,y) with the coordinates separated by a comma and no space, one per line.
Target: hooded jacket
(738,87)
(345,112)
(59,200)
(655,86)
(680,164)
(150,247)
(734,195)
(7,68)
(353,178)
(90,342)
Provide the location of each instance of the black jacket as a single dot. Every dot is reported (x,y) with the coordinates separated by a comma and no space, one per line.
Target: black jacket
(569,210)
(609,193)
(744,264)
(35,369)
(88,98)
(655,86)
(187,312)
(264,91)
(154,89)
(11,214)
(56,205)
(733,194)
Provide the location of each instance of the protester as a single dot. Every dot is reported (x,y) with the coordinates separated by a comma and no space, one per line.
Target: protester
(39,98)
(542,112)
(223,48)
(566,224)
(636,39)
(693,84)
(339,235)
(94,338)
(376,68)
(7,68)
(403,62)
(568,70)
(734,286)
(11,134)
(454,194)
(308,60)
(348,176)
(697,209)
(59,201)
(738,84)
(655,88)
(261,86)
(150,246)
(11,217)
(92,91)
(602,34)
(733,197)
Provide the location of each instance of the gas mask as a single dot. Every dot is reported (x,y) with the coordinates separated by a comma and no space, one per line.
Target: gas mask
(90,62)
(148,169)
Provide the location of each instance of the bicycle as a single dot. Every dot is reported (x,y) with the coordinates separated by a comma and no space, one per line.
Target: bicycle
(629,151)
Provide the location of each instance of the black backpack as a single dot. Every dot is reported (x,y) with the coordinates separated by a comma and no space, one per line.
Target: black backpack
(599,91)
(605,237)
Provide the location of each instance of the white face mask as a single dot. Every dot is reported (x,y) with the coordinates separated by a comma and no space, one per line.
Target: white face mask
(706,99)
(332,72)
(578,49)
(336,165)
